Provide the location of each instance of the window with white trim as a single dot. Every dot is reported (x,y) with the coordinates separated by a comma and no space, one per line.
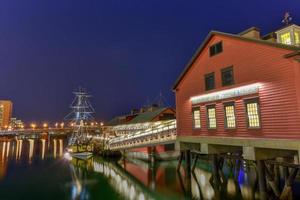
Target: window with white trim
(253,115)
(196,117)
(229,110)
(211,117)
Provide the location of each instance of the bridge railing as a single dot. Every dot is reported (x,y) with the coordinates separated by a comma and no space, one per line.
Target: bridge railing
(163,132)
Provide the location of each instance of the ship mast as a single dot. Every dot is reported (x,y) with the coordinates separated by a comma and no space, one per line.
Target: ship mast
(80,116)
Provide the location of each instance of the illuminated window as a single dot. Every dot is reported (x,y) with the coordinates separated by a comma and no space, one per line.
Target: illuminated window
(210,81)
(211,117)
(286,38)
(229,115)
(196,117)
(252,108)
(227,76)
(297,38)
(216,49)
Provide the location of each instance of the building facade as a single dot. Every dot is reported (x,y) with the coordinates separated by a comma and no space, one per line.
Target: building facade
(241,91)
(5,113)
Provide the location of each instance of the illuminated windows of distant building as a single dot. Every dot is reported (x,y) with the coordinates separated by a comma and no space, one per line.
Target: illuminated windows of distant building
(286,38)
(297,38)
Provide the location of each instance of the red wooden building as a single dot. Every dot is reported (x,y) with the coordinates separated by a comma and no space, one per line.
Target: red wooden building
(241,92)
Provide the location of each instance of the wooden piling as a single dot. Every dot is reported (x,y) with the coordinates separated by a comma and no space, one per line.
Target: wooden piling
(188,173)
(179,161)
(261,179)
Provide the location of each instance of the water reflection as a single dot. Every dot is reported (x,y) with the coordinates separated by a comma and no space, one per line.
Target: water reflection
(128,178)
(54,148)
(31,147)
(43,141)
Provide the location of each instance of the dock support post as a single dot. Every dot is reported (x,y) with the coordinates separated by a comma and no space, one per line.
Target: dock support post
(261,179)
(152,155)
(179,161)
(215,171)
(188,173)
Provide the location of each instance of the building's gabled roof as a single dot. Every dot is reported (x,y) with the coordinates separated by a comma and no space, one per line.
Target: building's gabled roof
(147,116)
(212,33)
(115,121)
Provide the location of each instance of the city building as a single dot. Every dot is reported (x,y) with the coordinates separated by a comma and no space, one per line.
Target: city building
(241,93)
(5,113)
(16,123)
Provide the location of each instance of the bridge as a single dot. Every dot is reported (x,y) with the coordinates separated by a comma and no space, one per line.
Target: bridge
(17,132)
(159,133)
(38,132)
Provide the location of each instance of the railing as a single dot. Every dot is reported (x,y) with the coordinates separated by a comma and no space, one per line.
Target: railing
(30,131)
(162,132)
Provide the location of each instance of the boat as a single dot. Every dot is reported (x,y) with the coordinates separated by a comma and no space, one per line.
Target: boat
(80,117)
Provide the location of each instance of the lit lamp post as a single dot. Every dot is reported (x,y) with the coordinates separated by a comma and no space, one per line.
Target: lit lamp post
(62,125)
(56,125)
(33,126)
(45,125)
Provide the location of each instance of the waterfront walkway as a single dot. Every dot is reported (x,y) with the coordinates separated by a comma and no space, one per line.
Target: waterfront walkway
(162,132)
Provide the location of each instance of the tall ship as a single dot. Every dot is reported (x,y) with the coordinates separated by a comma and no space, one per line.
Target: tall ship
(80,117)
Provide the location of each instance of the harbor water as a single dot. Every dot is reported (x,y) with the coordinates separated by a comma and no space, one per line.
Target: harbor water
(35,169)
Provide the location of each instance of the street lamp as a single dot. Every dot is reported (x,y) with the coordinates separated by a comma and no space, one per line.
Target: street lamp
(56,125)
(45,125)
(33,125)
(62,125)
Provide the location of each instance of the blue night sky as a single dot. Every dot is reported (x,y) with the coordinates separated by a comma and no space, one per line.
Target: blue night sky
(123,51)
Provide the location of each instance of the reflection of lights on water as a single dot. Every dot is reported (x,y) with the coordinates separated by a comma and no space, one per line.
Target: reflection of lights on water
(202,180)
(20,148)
(54,148)
(141,196)
(205,186)
(3,150)
(7,149)
(43,148)
(209,192)
(60,148)
(247,192)
(132,192)
(67,156)
(231,189)
(122,185)
(31,146)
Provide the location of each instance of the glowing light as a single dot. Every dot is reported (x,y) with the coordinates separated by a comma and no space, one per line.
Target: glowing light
(225,94)
(60,147)
(67,156)
(54,148)
(62,125)
(33,125)
(45,125)
(31,146)
(43,148)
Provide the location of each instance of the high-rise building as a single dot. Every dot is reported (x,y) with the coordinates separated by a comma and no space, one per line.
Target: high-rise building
(5,113)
